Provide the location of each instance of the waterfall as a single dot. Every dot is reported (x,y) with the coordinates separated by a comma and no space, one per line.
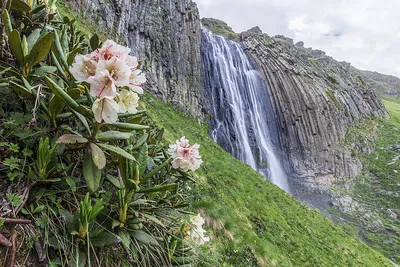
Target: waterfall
(243,119)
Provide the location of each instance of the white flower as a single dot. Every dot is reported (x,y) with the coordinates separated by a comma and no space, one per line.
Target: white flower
(136,79)
(111,49)
(102,85)
(119,71)
(128,101)
(185,157)
(132,62)
(83,68)
(197,233)
(105,109)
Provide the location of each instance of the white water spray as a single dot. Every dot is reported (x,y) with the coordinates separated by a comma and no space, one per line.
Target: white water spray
(243,115)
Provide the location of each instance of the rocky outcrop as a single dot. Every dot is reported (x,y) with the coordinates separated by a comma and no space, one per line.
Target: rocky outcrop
(386,85)
(315,99)
(165,35)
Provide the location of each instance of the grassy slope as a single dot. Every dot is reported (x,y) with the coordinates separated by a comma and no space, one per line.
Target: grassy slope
(377,188)
(266,223)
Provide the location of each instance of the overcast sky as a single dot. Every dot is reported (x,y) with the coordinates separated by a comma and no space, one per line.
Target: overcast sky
(365,33)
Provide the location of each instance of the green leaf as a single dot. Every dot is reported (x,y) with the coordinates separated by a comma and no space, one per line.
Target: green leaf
(64,42)
(14,40)
(71,139)
(60,51)
(91,173)
(20,5)
(83,120)
(154,219)
(125,238)
(42,71)
(112,136)
(117,150)
(77,257)
(142,158)
(71,183)
(98,157)
(104,239)
(58,91)
(94,42)
(7,22)
(158,188)
(24,45)
(21,91)
(129,126)
(33,38)
(114,181)
(41,49)
(145,238)
(140,141)
(72,55)
(155,171)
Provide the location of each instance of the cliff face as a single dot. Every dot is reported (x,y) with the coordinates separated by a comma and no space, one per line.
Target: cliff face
(165,35)
(315,99)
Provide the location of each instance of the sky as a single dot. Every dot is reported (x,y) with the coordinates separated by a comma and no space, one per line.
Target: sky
(365,33)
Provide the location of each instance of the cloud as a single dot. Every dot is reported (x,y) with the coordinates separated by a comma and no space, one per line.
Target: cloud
(365,33)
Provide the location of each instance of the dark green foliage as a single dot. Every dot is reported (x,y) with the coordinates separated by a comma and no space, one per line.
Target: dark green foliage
(86,185)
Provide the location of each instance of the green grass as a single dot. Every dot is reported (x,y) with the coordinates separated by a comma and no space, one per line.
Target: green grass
(333,98)
(269,227)
(88,28)
(377,188)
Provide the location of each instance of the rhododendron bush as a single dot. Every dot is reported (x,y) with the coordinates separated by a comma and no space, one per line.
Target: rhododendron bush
(84,161)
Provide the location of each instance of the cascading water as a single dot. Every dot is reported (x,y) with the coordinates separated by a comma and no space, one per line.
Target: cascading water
(243,122)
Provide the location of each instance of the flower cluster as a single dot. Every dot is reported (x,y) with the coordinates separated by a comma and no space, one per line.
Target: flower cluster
(114,80)
(185,157)
(197,234)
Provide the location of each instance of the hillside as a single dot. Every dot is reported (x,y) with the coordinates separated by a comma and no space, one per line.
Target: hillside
(268,226)
(371,207)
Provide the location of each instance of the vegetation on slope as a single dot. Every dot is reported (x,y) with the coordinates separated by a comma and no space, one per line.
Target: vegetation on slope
(254,222)
(372,211)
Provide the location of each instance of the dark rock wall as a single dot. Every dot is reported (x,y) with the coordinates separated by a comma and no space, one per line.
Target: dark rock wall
(315,98)
(165,35)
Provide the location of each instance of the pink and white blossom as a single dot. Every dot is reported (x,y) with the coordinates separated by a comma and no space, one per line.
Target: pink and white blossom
(108,70)
(136,79)
(119,71)
(132,62)
(184,156)
(105,109)
(102,84)
(128,101)
(111,49)
(83,68)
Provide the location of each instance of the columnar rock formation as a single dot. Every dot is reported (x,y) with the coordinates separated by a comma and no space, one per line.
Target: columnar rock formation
(315,98)
(165,35)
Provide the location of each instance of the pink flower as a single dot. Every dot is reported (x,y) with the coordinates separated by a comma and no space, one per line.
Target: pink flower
(102,84)
(119,71)
(83,68)
(136,79)
(105,109)
(111,49)
(132,62)
(185,157)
